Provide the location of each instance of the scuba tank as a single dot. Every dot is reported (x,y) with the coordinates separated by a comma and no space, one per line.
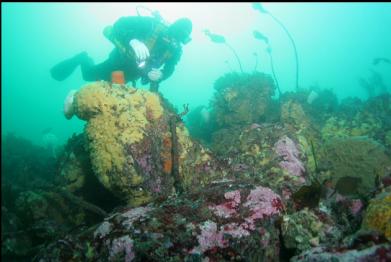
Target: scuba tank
(153,62)
(155,14)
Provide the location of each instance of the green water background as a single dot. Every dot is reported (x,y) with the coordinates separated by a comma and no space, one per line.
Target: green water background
(336,43)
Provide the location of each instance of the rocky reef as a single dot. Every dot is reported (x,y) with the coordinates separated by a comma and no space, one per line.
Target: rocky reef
(250,177)
(226,220)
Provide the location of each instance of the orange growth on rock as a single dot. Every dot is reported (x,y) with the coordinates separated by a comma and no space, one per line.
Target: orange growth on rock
(166,155)
(167,166)
(117,77)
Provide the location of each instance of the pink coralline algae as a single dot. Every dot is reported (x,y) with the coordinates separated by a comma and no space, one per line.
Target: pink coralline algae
(356,206)
(120,245)
(227,209)
(209,238)
(287,149)
(236,230)
(261,201)
(145,163)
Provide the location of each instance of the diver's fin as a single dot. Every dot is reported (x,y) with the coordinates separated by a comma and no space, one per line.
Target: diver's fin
(64,69)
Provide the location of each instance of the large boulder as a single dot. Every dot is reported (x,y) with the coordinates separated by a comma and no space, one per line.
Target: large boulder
(241,99)
(355,164)
(138,147)
(270,153)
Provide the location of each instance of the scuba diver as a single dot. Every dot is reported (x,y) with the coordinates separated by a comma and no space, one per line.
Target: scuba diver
(144,47)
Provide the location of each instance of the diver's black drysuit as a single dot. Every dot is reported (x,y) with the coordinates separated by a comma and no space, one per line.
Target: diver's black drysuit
(146,29)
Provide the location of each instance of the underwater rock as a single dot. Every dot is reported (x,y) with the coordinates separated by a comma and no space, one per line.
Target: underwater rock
(231,220)
(288,151)
(37,206)
(241,99)
(377,216)
(380,252)
(75,175)
(388,138)
(335,127)
(324,106)
(313,105)
(297,116)
(72,171)
(361,246)
(292,113)
(371,118)
(225,140)
(362,124)
(131,144)
(43,216)
(24,164)
(357,160)
(347,212)
(13,242)
(199,124)
(258,151)
(303,230)
(350,106)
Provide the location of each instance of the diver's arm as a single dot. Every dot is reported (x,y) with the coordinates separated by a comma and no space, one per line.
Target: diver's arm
(132,27)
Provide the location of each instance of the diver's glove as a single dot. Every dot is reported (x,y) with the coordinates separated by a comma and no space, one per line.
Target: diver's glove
(155,75)
(140,49)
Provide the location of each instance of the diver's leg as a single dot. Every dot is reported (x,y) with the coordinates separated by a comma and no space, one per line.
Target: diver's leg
(101,71)
(97,72)
(64,69)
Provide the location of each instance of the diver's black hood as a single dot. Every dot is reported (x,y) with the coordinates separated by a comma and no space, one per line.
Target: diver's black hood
(181,30)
